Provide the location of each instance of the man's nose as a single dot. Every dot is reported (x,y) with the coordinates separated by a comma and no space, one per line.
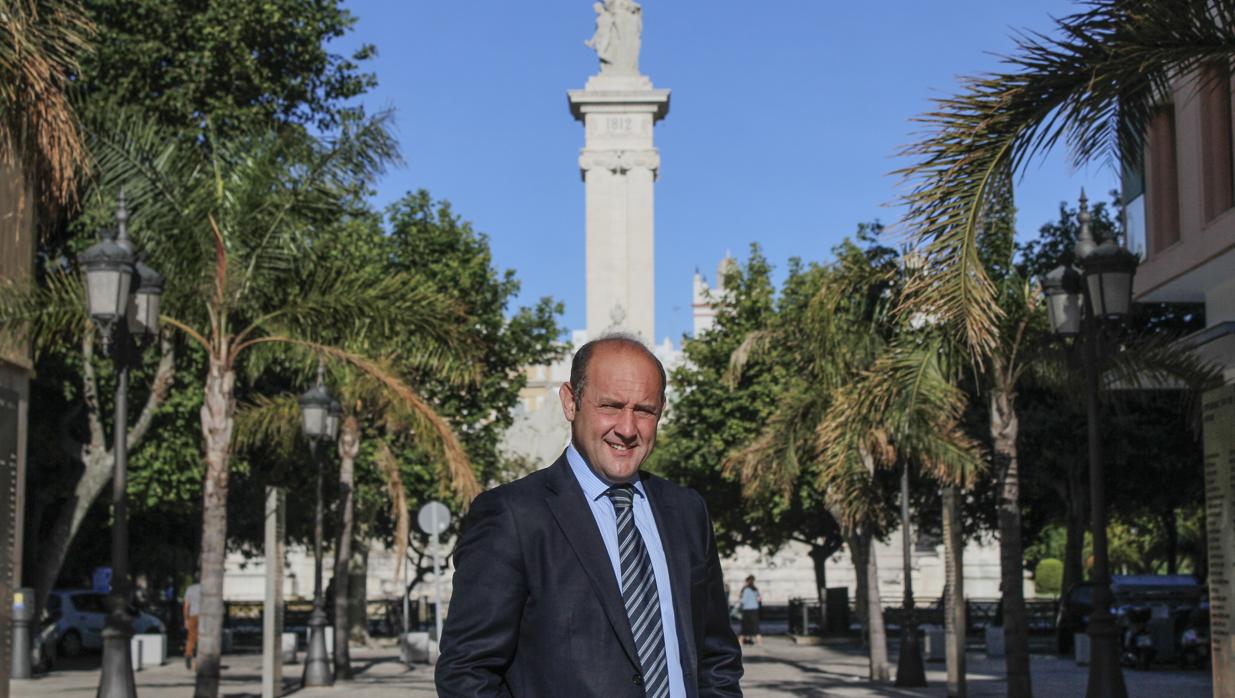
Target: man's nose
(625,426)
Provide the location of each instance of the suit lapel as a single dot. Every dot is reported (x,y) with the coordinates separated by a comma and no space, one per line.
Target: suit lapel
(672,526)
(569,506)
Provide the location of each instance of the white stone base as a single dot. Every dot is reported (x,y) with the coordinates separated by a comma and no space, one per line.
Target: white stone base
(152,646)
(288,646)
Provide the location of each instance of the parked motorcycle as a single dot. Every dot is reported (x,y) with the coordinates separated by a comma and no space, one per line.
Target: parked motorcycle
(1192,637)
(1138,644)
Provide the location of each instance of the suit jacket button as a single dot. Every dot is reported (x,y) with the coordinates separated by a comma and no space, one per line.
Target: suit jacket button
(637,679)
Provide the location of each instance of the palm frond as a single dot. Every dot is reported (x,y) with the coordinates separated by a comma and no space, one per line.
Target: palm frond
(455,464)
(40,52)
(50,315)
(388,465)
(1095,86)
(268,421)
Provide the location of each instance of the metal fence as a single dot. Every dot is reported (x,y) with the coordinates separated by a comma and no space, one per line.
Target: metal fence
(384,618)
(805,618)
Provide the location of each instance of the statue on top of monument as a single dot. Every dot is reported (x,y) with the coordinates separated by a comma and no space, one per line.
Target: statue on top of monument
(619,28)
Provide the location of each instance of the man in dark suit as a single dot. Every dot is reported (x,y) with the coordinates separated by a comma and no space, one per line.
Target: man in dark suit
(591,578)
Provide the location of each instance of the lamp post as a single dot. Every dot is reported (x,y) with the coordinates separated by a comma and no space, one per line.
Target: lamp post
(123,314)
(320,415)
(1077,303)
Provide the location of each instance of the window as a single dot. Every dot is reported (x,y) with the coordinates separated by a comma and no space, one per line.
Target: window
(1162,181)
(90,603)
(1216,160)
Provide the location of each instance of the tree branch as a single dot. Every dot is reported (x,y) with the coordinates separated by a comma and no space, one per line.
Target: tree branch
(90,393)
(159,386)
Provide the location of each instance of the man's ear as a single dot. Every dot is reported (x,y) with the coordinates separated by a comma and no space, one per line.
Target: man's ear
(567,395)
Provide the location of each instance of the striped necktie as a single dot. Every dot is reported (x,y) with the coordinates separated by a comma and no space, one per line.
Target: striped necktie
(639,594)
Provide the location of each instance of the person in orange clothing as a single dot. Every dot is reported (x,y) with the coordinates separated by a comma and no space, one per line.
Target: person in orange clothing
(192,607)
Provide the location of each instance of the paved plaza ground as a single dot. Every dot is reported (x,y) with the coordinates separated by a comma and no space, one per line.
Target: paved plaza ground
(779,669)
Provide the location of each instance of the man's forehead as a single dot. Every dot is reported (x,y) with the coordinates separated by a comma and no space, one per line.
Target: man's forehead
(615,356)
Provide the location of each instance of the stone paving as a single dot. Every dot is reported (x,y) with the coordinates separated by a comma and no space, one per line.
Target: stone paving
(776,670)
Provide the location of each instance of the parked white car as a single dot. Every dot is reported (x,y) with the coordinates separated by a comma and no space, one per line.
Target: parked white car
(80,615)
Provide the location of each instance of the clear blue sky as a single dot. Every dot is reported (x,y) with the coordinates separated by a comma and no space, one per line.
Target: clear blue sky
(785,120)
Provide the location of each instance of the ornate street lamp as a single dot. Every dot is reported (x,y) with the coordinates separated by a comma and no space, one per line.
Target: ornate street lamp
(1106,289)
(121,314)
(320,419)
(109,274)
(1064,300)
(143,307)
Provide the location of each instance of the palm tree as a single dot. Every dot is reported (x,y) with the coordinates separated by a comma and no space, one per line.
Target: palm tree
(368,403)
(42,44)
(837,330)
(237,225)
(1095,87)
(864,384)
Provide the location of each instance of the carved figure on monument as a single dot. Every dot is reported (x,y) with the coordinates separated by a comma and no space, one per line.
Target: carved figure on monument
(619,28)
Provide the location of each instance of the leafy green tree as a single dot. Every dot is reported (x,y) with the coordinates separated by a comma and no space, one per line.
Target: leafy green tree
(248,67)
(234,225)
(474,391)
(244,65)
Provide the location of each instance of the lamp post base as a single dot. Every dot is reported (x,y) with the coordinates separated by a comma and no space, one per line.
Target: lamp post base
(1106,677)
(317,668)
(910,671)
(116,679)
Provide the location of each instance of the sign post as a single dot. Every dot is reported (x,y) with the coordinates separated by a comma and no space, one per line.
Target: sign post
(434,519)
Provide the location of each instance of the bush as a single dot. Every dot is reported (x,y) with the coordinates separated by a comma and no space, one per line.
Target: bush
(1048,577)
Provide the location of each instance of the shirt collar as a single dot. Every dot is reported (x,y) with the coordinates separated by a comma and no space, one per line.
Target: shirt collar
(593,487)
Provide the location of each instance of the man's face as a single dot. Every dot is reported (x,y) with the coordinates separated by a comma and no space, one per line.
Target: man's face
(614,425)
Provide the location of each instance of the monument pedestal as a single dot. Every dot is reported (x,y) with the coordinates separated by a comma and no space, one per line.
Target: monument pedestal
(619,164)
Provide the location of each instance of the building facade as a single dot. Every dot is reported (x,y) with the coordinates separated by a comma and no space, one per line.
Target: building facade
(1180,207)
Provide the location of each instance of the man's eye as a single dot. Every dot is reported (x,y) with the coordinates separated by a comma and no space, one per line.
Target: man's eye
(608,408)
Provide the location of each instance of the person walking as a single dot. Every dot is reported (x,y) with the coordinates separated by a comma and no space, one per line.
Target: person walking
(192,608)
(750,601)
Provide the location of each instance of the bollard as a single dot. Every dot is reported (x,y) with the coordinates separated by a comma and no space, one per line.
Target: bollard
(23,614)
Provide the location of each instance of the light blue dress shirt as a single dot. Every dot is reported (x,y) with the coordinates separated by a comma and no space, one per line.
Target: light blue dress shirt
(606,520)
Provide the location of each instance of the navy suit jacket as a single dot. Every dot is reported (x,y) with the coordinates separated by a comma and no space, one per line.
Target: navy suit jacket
(536,610)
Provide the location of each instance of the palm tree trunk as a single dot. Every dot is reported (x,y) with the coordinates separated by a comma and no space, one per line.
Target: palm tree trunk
(349,447)
(861,549)
(218,409)
(954,592)
(1004,429)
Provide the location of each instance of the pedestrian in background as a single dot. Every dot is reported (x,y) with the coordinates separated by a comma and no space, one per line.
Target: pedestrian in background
(750,601)
(192,607)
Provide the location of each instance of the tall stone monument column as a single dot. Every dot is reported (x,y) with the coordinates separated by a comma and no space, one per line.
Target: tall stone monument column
(619,164)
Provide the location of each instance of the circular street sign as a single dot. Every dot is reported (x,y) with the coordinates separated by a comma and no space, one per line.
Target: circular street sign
(433,518)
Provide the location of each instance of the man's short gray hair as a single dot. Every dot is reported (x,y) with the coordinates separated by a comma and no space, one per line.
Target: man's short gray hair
(583,357)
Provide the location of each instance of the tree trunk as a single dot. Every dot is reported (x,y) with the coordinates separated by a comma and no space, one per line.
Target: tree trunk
(861,549)
(52,552)
(819,554)
(1172,541)
(1077,521)
(218,410)
(819,557)
(349,447)
(1004,429)
(954,592)
(97,461)
(358,577)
